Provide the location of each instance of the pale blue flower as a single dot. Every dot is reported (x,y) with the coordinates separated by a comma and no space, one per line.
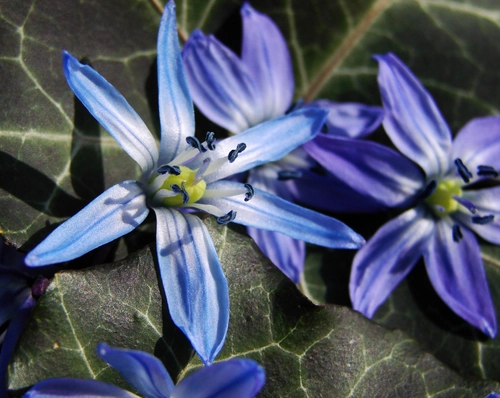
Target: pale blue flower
(242,378)
(185,173)
(240,92)
(434,178)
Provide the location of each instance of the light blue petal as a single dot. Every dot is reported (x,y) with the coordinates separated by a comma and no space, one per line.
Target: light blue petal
(76,388)
(143,371)
(241,378)
(350,119)
(176,106)
(220,84)
(268,141)
(487,202)
(113,111)
(194,283)
(265,52)
(14,330)
(478,143)
(457,273)
(371,169)
(387,258)
(412,120)
(114,213)
(269,212)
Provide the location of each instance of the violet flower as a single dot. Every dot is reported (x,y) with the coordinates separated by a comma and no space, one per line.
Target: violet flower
(434,175)
(241,92)
(242,378)
(175,178)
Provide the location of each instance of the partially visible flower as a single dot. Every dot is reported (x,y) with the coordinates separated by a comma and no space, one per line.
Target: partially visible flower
(175,178)
(19,289)
(242,378)
(241,92)
(435,178)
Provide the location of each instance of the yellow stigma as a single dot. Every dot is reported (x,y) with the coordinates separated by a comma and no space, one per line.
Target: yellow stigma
(187,176)
(441,201)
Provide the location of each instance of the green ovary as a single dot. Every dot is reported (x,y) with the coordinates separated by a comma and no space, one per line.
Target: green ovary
(441,201)
(187,176)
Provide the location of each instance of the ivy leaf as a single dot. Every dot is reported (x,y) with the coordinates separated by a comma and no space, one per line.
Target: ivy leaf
(307,350)
(415,308)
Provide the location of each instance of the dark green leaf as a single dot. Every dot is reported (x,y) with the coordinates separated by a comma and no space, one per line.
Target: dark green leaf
(307,350)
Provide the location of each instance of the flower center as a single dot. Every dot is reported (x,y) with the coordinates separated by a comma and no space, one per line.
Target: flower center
(443,200)
(185,186)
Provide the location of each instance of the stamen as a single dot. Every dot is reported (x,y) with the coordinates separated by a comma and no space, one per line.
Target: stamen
(250,192)
(180,190)
(195,143)
(487,171)
(466,203)
(462,170)
(210,140)
(226,219)
(483,220)
(284,175)
(175,170)
(429,189)
(234,153)
(456,233)
(201,171)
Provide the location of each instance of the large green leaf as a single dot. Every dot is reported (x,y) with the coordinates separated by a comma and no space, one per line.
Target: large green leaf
(307,350)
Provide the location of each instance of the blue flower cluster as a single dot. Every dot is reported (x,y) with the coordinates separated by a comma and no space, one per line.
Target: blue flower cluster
(437,184)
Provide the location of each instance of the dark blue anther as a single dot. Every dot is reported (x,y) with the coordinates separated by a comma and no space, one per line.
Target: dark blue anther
(487,171)
(466,203)
(39,287)
(462,170)
(483,220)
(210,140)
(250,192)
(175,170)
(181,190)
(234,153)
(226,219)
(429,189)
(456,233)
(195,143)
(284,175)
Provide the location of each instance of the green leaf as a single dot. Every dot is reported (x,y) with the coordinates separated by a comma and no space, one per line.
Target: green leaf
(119,304)
(307,350)
(415,308)
(54,156)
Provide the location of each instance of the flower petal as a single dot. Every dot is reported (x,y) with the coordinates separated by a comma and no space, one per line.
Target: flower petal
(350,119)
(487,201)
(220,83)
(269,212)
(268,141)
(77,388)
(457,273)
(113,111)
(286,253)
(114,213)
(194,283)
(143,371)
(387,258)
(266,54)
(242,378)
(371,169)
(14,330)
(176,106)
(412,119)
(478,143)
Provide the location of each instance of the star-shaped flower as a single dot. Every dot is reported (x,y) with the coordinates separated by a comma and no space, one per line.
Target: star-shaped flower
(435,177)
(240,92)
(242,378)
(175,178)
